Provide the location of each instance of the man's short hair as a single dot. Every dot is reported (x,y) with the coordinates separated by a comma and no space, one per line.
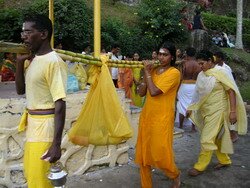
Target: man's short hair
(41,23)
(220,55)
(191,52)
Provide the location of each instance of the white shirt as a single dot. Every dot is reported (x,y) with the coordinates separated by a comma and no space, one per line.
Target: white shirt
(114,71)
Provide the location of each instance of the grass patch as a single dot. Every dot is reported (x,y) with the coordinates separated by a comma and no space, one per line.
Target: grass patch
(119,10)
(240,53)
(245,91)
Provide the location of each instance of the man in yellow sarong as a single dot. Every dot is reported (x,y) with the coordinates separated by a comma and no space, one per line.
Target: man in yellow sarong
(44,82)
(154,146)
(216,104)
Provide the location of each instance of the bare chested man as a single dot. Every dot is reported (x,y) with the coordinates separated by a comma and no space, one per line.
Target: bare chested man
(190,71)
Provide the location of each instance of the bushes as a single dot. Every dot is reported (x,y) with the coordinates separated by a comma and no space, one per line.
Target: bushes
(161,20)
(73,21)
(10,26)
(224,23)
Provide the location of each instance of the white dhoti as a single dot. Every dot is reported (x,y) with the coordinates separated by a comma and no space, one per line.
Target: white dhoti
(184,96)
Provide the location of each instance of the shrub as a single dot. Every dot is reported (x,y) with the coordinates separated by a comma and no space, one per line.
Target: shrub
(224,23)
(161,20)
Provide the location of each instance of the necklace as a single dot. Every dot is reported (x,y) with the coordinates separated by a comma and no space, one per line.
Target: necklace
(161,69)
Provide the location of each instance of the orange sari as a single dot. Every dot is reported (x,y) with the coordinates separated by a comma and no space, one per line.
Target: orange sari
(156,125)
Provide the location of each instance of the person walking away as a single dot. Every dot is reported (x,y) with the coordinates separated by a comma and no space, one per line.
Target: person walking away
(137,100)
(44,82)
(113,70)
(190,70)
(154,146)
(125,78)
(216,104)
(197,20)
(220,63)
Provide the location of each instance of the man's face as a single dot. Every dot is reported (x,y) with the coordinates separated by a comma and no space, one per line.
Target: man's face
(31,37)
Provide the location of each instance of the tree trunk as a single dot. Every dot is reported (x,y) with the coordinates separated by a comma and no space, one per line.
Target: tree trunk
(238,43)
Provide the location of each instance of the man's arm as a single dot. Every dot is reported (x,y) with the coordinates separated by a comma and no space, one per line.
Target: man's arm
(54,152)
(20,80)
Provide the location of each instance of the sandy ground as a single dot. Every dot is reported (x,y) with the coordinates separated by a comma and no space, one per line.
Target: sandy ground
(186,151)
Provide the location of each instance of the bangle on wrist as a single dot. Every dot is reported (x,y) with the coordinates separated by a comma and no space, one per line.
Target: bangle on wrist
(149,76)
(232,111)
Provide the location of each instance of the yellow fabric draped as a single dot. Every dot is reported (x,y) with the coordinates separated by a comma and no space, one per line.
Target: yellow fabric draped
(102,120)
(136,99)
(211,113)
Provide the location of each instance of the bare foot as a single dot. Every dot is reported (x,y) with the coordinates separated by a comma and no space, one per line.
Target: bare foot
(193,131)
(177,182)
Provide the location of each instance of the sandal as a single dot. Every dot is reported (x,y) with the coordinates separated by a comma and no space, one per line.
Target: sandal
(220,166)
(176,182)
(194,172)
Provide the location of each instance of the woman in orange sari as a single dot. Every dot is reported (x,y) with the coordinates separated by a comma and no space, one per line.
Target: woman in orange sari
(156,125)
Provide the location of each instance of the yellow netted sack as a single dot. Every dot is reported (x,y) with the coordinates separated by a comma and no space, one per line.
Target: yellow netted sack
(81,75)
(102,120)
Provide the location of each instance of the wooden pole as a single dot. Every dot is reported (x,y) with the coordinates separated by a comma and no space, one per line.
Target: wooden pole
(97,28)
(51,17)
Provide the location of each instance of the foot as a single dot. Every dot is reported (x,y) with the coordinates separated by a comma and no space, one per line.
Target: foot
(193,131)
(220,166)
(193,172)
(177,182)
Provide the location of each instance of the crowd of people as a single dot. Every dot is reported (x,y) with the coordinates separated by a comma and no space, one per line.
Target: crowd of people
(202,88)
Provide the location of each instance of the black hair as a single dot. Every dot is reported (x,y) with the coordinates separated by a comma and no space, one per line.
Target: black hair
(205,55)
(190,51)
(172,50)
(115,45)
(41,23)
(5,55)
(220,55)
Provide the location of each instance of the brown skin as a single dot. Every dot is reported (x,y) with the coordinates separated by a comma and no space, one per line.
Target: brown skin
(165,59)
(39,43)
(190,71)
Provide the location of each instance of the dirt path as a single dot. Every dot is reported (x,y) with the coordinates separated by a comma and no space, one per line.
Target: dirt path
(186,151)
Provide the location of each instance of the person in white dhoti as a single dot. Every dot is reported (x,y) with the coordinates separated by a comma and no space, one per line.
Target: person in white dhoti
(190,70)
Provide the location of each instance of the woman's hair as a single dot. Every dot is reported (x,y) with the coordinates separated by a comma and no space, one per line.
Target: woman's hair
(205,55)
(172,50)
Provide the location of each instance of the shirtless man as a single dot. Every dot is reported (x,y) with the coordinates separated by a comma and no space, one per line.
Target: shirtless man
(190,71)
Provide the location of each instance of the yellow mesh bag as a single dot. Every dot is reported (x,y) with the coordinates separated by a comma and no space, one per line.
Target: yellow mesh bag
(102,120)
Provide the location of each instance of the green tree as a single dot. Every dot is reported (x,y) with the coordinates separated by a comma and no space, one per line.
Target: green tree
(73,21)
(160,19)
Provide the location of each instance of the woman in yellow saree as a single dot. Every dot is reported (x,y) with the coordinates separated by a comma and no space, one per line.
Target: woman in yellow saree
(154,146)
(216,105)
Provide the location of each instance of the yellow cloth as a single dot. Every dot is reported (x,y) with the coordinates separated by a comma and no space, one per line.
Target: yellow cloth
(102,120)
(46,80)
(211,113)
(205,157)
(156,125)
(35,169)
(136,99)
(80,73)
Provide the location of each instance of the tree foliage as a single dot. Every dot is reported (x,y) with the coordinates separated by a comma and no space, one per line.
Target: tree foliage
(160,19)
